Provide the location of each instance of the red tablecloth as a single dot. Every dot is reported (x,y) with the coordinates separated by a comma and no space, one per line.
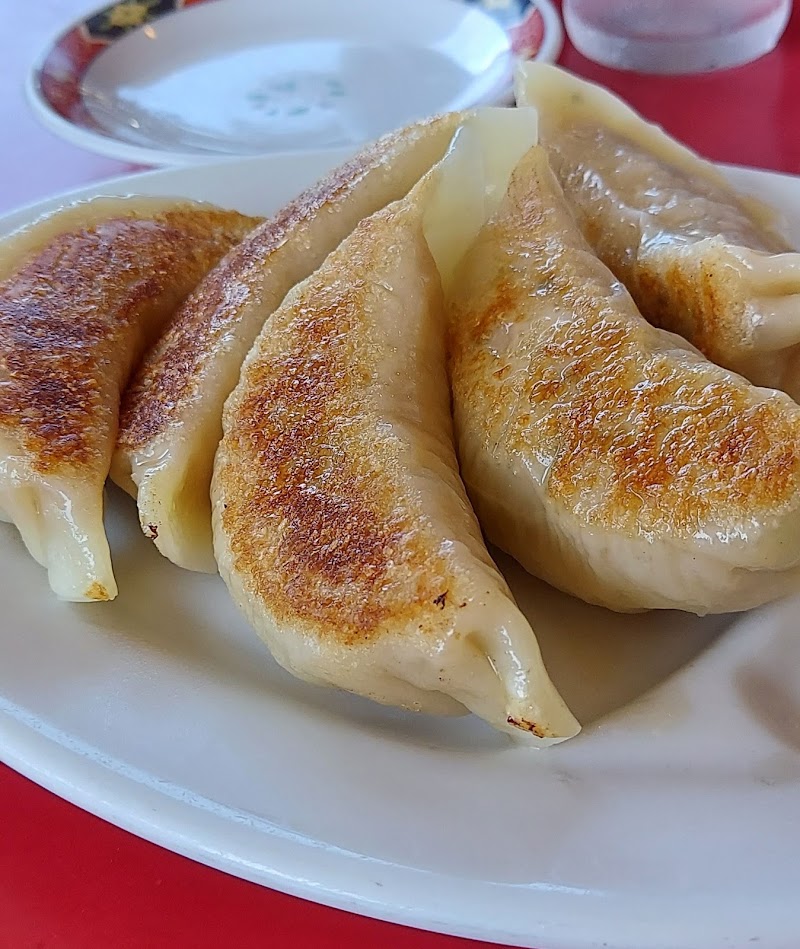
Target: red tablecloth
(71,881)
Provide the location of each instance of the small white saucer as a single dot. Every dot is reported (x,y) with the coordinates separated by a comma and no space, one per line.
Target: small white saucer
(182,81)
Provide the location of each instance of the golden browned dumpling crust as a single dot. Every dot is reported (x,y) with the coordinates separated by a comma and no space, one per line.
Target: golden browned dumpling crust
(699,258)
(606,455)
(82,293)
(341,526)
(171,415)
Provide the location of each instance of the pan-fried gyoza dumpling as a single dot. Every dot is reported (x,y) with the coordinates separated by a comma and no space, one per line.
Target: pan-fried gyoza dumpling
(82,293)
(341,525)
(698,258)
(171,415)
(609,457)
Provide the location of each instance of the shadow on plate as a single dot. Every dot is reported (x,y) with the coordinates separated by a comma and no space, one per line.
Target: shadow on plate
(768,684)
(600,660)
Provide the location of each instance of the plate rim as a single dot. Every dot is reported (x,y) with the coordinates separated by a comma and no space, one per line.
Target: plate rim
(106,144)
(554,930)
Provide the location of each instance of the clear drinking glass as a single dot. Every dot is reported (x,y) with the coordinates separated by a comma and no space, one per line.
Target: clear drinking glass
(674,36)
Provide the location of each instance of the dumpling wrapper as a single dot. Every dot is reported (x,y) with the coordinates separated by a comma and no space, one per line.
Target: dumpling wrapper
(171,420)
(698,258)
(341,525)
(607,456)
(83,291)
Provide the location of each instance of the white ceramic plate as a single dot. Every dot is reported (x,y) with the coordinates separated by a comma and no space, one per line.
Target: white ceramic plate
(671,822)
(182,81)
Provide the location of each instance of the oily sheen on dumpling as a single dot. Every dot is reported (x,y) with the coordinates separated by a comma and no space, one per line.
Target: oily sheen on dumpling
(698,258)
(171,415)
(609,457)
(82,293)
(341,525)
